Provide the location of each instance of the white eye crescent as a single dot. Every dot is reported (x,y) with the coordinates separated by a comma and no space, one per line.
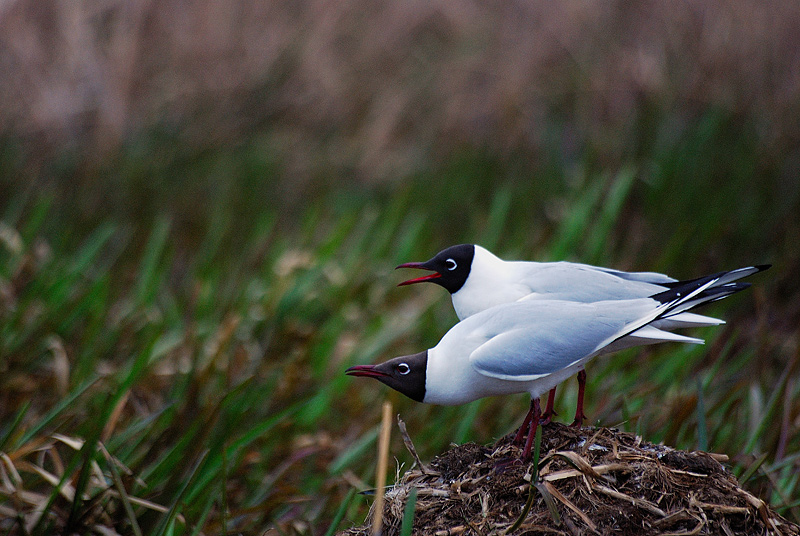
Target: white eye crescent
(403,369)
(450,264)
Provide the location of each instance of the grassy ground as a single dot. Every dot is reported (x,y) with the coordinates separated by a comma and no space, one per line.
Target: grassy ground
(174,327)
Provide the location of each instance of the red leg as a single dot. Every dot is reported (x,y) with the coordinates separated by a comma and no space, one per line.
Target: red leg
(549,411)
(521,432)
(537,414)
(579,415)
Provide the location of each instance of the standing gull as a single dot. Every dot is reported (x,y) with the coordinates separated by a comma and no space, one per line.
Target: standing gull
(533,345)
(478,280)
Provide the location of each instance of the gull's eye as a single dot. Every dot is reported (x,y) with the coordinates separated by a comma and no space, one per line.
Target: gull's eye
(403,369)
(450,264)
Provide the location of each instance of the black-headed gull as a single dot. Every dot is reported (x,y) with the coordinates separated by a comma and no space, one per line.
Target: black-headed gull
(532,345)
(478,280)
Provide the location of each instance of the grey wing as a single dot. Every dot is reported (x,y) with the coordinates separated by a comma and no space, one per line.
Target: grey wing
(526,354)
(586,284)
(653,278)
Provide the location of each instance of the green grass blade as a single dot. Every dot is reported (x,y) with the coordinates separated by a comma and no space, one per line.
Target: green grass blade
(41,528)
(408,513)
(224,491)
(751,470)
(165,525)
(768,416)
(149,268)
(470,413)
(209,504)
(87,256)
(610,212)
(87,455)
(123,494)
(36,219)
(12,427)
(702,428)
(354,452)
(534,477)
(337,518)
(498,214)
(576,222)
(60,407)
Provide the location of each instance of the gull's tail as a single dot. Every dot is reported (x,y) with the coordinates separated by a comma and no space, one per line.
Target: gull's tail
(681,297)
(686,295)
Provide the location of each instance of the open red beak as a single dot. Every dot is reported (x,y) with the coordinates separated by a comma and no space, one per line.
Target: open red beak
(419,266)
(367,371)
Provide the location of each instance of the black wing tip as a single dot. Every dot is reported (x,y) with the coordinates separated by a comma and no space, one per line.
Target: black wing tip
(682,288)
(684,282)
(716,292)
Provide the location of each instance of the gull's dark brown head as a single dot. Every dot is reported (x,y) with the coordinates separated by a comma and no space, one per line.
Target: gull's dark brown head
(405,374)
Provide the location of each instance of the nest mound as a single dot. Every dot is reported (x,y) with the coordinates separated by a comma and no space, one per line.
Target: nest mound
(591,481)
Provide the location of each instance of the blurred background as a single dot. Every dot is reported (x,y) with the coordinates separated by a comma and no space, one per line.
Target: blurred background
(201,206)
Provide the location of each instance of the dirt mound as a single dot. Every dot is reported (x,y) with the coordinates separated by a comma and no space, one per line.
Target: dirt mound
(591,481)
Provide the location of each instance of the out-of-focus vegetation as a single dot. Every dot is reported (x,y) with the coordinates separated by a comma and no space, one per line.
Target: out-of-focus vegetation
(380,88)
(201,207)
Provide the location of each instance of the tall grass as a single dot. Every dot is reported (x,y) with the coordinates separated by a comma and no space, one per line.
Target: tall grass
(198,228)
(175,366)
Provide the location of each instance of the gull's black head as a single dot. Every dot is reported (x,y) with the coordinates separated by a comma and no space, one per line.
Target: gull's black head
(405,374)
(450,267)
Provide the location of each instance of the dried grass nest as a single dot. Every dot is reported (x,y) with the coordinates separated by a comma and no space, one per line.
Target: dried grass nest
(599,480)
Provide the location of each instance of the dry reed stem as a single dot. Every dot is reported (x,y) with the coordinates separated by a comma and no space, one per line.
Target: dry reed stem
(383,464)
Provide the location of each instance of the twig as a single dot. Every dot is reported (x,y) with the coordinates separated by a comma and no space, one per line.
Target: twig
(597,469)
(569,504)
(641,503)
(410,446)
(123,493)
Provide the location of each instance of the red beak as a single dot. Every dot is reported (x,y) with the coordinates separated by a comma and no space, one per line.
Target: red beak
(419,266)
(367,371)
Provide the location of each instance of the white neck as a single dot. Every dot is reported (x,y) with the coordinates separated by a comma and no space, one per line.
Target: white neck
(491,281)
